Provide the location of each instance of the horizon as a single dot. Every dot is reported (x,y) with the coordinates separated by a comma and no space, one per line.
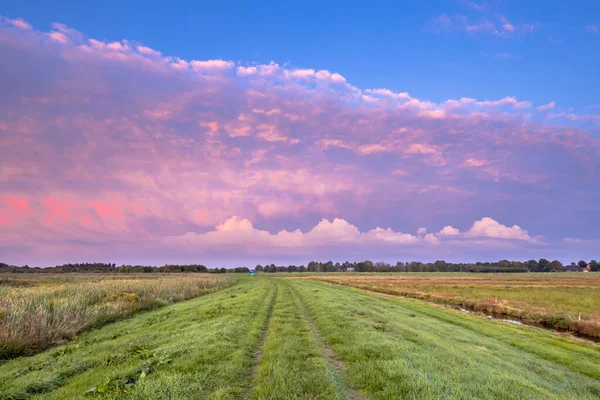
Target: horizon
(456,130)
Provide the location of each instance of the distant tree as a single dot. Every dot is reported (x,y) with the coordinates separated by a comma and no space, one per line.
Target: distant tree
(582,264)
(531,265)
(544,266)
(259,268)
(557,266)
(594,265)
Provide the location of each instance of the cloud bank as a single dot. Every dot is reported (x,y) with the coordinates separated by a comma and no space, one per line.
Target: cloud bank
(113,150)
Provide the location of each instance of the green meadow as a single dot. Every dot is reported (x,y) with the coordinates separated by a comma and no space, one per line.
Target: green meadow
(279,338)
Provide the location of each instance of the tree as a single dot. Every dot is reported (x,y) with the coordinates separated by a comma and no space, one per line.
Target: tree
(557,266)
(544,266)
(594,265)
(582,264)
(259,268)
(531,265)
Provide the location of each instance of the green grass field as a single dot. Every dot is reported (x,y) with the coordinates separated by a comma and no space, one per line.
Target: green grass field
(562,301)
(275,338)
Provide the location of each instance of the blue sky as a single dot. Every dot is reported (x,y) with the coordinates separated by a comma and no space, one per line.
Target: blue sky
(211,132)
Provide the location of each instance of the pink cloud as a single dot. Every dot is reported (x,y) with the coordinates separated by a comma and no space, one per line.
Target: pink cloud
(17,22)
(211,65)
(59,37)
(121,143)
(547,107)
(17,204)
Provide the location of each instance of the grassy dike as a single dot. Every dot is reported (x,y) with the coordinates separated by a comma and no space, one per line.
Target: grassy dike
(200,348)
(293,363)
(278,338)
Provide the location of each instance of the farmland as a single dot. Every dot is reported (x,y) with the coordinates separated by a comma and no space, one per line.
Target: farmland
(566,302)
(280,338)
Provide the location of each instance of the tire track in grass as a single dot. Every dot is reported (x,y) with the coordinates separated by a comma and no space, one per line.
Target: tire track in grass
(258,350)
(292,364)
(336,368)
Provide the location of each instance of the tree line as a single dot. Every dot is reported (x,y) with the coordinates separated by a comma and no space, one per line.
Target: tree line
(111,267)
(503,266)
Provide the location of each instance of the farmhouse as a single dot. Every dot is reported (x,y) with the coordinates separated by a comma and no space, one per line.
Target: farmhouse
(577,268)
(350,269)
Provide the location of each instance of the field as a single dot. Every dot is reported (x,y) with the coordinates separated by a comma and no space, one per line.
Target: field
(280,338)
(37,311)
(566,302)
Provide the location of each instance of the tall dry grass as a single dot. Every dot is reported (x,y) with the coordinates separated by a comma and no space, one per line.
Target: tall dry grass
(38,312)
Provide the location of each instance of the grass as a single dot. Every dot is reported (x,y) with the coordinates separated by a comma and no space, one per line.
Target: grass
(37,312)
(400,348)
(273,338)
(293,365)
(566,302)
(200,348)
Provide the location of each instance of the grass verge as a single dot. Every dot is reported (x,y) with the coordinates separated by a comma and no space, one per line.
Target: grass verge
(200,348)
(39,312)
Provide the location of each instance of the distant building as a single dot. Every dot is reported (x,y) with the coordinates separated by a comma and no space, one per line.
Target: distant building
(350,269)
(577,268)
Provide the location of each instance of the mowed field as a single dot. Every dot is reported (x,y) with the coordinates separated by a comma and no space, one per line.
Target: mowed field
(280,338)
(562,301)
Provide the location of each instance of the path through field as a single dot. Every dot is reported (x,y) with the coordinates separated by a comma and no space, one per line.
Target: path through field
(277,338)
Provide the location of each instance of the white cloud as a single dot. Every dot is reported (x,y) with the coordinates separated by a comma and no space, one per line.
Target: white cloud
(211,65)
(245,71)
(238,231)
(148,51)
(388,93)
(388,235)
(488,227)
(328,76)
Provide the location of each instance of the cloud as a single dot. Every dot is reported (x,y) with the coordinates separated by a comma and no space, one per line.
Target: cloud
(595,28)
(17,22)
(449,231)
(238,232)
(211,65)
(302,73)
(547,107)
(488,227)
(388,93)
(59,37)
(488,24)
(110,148)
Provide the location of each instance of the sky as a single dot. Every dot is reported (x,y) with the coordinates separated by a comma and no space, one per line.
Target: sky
(238,133)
